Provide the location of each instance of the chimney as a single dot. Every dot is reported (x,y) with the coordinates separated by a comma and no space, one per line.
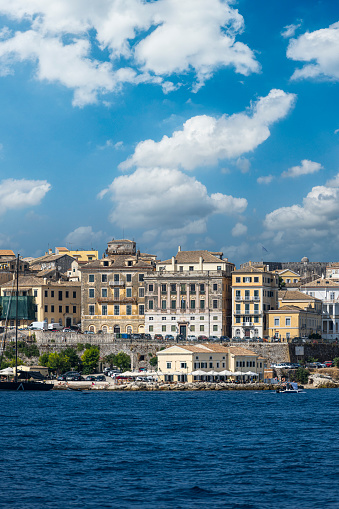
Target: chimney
(173,263)
(200,263)
(179,249)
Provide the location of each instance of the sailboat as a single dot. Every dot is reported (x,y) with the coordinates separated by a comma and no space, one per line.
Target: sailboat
(16,384)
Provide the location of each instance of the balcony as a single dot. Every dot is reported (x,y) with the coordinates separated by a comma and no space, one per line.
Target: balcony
(248,324)
(118,284)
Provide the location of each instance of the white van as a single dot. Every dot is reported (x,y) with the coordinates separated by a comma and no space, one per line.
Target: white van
(55,326)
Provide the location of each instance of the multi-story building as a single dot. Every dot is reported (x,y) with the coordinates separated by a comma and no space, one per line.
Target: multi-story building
(179,363)
(291,321)
(327,290)
(54,301)
(189,294)
(113,289)
(254,292)
(80,255)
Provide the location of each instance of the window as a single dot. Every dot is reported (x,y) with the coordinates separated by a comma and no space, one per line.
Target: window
(163,304)
(183,365)
(276,322)
(105,263)
(52,309)
(204,364)
(192,317)
(238,280)
(150,328)
(192,304)
(150,304)
(202,304)
(60,295)
(256,279)
(215,286)
(202,288)
(52,293)
(74,309)
(141,309)
(91,278)
(173,328)
(202,318)
(211,364)
(173,304)
(218,267)
(192,288)
(116,309)
(173,288)
(163,288)
(67,294)
(141,292)
(46,309)
(91,310)
(182,289)
(74,295)
(191,267)
(172,317)
(169,365)
(183,304)
(215,328)
(215,318)
(215,304)
(128,309)
(60,309)
(288,322)
(141,277)
(202,328)
(181,268)
(91,293)
(104,278)
(150,288)
(163,328)
(128,278)
(104,292)
(116,278)
(35,293)
(192,328)
(150,317)
(46,293)
(247,279)
(67,309)
(128,292)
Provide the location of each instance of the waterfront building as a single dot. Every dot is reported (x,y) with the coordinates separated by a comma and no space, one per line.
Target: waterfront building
(254,292)
(290,321)
(189,294)
(289,277)
(53,301)
(113,289)
(327,290)
(177,363)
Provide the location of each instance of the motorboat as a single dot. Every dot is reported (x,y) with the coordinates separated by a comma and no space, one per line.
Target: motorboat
(289,387)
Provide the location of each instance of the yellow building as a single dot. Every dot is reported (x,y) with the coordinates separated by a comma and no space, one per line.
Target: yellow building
(81,256)
(254,292)
(291,321)
(300,299)
(289,276)
(55,301)
(179,363)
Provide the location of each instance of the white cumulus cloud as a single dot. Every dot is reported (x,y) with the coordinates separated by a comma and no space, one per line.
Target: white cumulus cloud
(290,30)
(321,49)
(166,199)
(265,180)
(205,140)
(155,40)
(306,168)
(18,194)
(84,237)
(239,229)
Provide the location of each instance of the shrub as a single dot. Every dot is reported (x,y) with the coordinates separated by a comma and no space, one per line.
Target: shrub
(301,375)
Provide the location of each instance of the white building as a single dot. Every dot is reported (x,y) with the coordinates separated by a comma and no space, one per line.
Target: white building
(328,291)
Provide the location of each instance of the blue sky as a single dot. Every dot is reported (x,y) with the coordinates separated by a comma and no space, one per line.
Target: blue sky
(202,123)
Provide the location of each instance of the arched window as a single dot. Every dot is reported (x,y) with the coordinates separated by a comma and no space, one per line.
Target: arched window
(129,329)
(237,332)
(104,329)
(116,329)
(91,328)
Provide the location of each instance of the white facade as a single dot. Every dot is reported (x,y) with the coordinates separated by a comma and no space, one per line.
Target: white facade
(326,290)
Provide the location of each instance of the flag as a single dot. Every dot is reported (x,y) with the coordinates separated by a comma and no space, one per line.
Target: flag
(264,249)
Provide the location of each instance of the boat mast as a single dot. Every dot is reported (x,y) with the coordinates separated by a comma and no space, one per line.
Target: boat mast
(16,319)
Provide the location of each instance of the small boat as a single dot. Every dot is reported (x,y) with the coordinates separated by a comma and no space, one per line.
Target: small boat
(289,387)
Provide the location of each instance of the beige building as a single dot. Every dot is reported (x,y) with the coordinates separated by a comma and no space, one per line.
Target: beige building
(54,301)
(113,289)
(189,294)
(291,321)
(80,255)
(254,292)
(179,363)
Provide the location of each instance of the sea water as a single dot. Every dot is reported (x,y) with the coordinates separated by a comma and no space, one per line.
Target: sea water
(227,449)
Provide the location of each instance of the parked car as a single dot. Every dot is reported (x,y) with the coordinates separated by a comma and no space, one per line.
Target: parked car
(191,337)
(202,338)
(225,338)
(169,337)
(135,336)
(180,337)
(90,378)
(158,337)
(74,378)
(100,378)
(67,329)
(88,332)
(328,364)
(213,338)
(315,365)
(61,378)
(147,336)
(236,339)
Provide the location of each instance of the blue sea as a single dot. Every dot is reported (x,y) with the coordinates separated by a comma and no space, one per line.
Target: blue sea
(236,449)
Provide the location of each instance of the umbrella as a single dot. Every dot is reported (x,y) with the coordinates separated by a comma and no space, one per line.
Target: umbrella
(212,373)
(251,373)
(198,372)
(238,373)
(225,372)
(7,371)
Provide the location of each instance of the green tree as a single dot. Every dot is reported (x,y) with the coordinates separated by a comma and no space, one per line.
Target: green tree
(80,347)
(43,359)
(336,362)
(74,359)
(122,360)
(90,359)
(153,362)
(56,362)
(282,283)
(301,375)
(110,359)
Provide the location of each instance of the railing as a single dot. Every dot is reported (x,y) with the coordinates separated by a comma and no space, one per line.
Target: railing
(117,283)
